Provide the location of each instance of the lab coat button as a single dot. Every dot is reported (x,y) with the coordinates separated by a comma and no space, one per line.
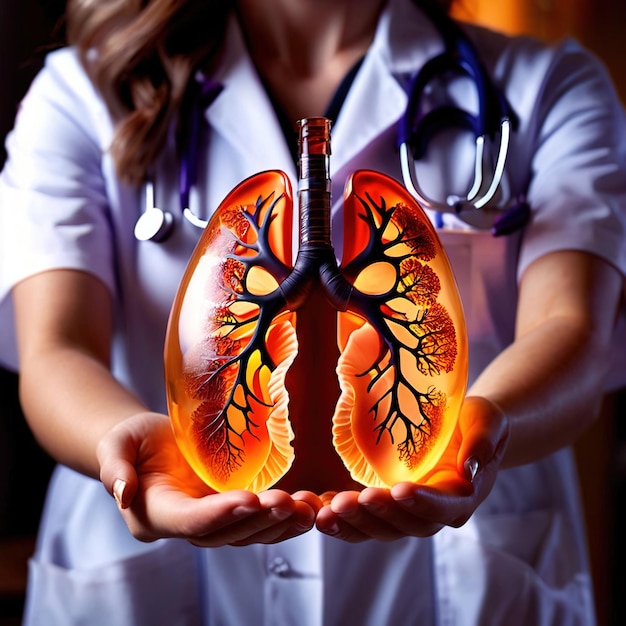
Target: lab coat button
(278,566)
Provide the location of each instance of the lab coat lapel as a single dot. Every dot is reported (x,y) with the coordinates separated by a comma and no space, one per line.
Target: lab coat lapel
(377,98)
(243,113)
(376,101)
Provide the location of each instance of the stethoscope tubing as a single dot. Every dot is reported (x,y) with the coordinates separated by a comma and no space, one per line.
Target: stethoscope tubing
(493,122)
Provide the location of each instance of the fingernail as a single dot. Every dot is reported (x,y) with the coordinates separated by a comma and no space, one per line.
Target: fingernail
(119,486)
(303,527)
(332,530)
(244,511)
(407,503)
(471,468)
(279,515)
(374,507)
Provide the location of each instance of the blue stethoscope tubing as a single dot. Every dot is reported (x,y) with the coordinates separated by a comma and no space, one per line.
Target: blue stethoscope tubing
(492,123)
(494,119)
(156,224)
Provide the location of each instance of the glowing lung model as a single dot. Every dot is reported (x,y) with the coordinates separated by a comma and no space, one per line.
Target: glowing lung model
(231,340)
(403,364)
(233,331)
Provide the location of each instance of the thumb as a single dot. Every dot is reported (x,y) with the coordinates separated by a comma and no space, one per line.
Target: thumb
(484,435)
(117,454)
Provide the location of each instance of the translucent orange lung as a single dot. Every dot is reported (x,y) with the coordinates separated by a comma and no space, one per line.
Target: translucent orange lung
(225,371)
(403,367)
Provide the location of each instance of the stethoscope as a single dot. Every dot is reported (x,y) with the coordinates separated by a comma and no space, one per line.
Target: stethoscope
(491,125)
(156,224)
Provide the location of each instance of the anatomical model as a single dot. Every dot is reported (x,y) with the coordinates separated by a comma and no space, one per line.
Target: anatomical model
(269,361)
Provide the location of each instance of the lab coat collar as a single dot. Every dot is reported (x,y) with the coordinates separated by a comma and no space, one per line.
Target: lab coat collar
(405,39)
(252,130)
(376,100)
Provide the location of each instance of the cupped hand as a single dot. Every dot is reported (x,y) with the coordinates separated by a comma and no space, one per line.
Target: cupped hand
(447,497)
(159,495)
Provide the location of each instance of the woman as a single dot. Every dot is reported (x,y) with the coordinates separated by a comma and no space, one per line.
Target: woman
(91,305)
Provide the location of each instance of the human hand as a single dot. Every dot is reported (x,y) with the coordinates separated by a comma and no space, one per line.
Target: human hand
(447,497)
(159,495)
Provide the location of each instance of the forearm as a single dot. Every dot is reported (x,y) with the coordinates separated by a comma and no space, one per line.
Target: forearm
(70,401)
(549,382)
(549,385)
(68,394)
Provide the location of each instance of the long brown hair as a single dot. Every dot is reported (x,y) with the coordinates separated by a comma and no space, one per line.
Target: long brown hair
(140,55)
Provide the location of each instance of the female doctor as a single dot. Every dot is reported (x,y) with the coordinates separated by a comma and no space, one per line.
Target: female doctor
(494,538)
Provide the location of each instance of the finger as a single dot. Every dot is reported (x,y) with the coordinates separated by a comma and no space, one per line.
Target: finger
(116,456)
(261,527)
(301,521)
(275,507)
(329,523)
(356,521)
(280,518)
(313,500)
(485,430)
(175,514)
(403,520)
(446,504)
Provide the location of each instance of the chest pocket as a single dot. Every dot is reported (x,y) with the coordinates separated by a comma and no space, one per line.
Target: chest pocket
(398,326)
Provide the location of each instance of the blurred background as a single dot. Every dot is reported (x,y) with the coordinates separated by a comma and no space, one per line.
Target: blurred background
(30,28)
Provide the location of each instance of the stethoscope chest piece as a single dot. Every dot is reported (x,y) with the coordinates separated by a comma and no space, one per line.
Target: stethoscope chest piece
(154,224)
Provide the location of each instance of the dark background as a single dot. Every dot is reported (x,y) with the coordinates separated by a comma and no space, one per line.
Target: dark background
(27,30)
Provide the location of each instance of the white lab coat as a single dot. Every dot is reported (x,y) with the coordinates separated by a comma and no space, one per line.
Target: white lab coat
(521,559)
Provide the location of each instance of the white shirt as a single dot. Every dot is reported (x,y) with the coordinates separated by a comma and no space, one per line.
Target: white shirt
(521,558)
